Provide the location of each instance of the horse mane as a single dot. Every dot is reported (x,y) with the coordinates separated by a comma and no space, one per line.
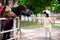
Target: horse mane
(21,10)
(18,10)
(22,7)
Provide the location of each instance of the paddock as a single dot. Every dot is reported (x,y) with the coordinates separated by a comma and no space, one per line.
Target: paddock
(31,33)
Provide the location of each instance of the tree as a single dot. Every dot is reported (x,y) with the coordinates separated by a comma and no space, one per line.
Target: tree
(56,5)
(21,2)
(37,6)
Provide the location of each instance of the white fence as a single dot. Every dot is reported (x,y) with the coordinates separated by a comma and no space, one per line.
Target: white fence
(25,18)
(16,35)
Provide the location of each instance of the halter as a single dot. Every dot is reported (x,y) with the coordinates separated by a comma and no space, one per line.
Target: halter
(1,8)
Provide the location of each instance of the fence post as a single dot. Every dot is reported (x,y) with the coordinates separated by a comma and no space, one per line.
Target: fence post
(19,28)
(0,25)
(14,27)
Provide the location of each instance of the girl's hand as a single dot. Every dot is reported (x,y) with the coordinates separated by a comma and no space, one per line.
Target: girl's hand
(49,20)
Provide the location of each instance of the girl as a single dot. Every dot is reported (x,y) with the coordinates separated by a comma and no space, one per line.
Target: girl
(47,24)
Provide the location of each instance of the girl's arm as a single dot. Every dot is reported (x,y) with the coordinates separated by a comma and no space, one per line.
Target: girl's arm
(50,21)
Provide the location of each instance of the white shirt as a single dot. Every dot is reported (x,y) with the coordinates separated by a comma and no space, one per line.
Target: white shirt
(46,22)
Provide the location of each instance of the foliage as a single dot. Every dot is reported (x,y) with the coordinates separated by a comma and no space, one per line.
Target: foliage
(57,9)
(37,6)
(21,2)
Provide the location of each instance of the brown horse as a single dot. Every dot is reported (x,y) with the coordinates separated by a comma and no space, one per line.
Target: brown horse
(7,24)
(7,13)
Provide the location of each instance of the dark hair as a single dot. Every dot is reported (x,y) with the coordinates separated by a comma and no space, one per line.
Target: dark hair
(47,15)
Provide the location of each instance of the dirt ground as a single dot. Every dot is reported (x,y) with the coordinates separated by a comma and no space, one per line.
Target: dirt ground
(39,34)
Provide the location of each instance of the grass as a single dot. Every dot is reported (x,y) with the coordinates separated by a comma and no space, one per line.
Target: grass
(26,24)
(55,26)
(30,25)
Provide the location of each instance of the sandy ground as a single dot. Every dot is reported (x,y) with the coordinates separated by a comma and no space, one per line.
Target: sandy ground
(39,34)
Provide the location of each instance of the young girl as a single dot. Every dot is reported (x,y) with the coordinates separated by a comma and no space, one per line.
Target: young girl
(47,24)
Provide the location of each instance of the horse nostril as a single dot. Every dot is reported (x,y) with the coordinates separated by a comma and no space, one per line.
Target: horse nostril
(14,15)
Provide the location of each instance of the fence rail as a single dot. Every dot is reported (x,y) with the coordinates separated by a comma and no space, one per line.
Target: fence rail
(14,29)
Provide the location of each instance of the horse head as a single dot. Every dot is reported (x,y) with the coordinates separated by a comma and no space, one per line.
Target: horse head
(7,13)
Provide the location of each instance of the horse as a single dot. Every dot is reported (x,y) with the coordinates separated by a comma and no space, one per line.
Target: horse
(21,10)
(8,23)
(11,13)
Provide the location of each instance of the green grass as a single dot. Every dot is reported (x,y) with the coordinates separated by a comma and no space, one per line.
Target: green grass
(30,25)
(55,26)
(35,25)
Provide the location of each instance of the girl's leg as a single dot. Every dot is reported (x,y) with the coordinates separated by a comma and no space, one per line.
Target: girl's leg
(50,34)
(46,32)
